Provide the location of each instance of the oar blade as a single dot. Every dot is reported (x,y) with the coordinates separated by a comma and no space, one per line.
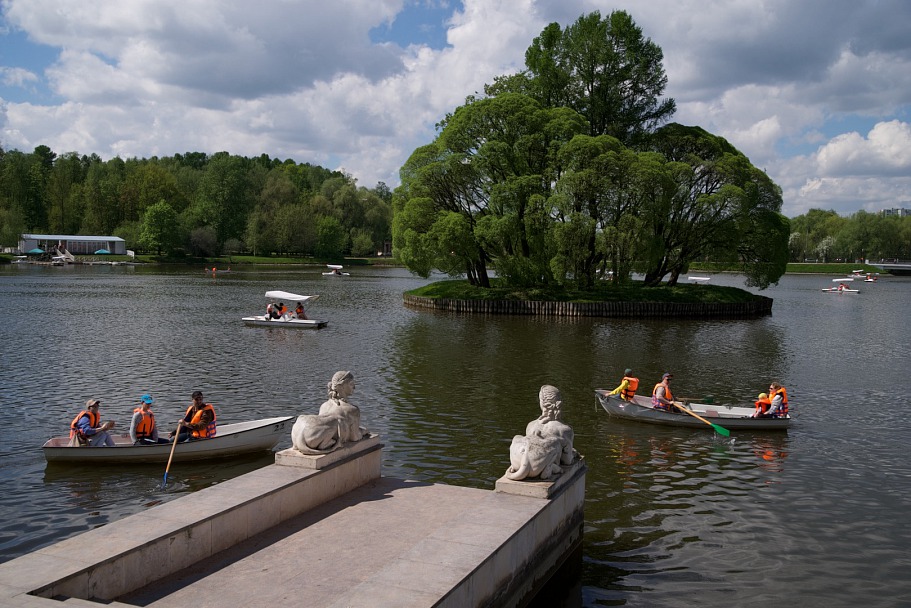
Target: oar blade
(721,430)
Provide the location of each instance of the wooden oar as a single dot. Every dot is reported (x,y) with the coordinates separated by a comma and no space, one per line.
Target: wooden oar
(718,429)
(173,447)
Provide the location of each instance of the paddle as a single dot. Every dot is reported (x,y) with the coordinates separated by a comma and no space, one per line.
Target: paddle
(173,447)
(718,429)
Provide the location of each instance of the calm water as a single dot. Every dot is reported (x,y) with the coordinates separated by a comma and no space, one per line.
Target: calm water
(815,517)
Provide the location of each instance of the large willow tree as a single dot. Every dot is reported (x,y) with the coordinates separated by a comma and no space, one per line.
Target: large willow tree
(563,172)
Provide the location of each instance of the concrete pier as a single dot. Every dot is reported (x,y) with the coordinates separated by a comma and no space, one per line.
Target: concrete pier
(316,531)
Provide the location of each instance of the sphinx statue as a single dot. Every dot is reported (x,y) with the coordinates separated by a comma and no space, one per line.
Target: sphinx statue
(337,424)
(547,444)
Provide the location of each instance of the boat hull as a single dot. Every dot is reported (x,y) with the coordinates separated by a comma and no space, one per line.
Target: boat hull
(262,321)
(732,418)
(230,440)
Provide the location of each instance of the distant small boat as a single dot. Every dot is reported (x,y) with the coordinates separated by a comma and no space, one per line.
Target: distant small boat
(336,271)
(842,287)
(230,440)
(699,279)
(288,320)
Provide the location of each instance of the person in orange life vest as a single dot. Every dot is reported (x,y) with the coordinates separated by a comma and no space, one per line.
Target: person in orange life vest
(143,430)
(762,405)
(198,422)
(299,311)
(628,386)
(662,399)
(87,428)
(778,395)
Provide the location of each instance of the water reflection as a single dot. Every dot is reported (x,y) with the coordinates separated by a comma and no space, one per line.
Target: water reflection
(672,516)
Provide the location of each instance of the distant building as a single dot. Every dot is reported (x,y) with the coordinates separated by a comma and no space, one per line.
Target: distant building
(77,245)
(896,212)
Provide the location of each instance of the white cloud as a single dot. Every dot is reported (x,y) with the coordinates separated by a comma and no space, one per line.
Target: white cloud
(17,77)
(886,151)
(301,79)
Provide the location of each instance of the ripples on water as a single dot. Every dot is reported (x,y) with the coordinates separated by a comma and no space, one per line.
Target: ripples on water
(674,517)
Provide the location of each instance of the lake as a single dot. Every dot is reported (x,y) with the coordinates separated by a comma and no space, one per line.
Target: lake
(813,516)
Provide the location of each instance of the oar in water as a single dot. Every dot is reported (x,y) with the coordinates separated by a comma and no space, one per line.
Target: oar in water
(718,429)
(173,447)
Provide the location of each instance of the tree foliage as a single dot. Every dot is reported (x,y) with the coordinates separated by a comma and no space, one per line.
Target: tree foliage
(257,204)
(563,174)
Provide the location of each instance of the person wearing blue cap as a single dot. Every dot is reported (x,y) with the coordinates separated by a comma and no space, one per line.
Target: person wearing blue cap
(143,430)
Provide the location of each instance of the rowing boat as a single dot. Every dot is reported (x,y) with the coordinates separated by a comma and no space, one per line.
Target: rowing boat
(230,440)
(731,417)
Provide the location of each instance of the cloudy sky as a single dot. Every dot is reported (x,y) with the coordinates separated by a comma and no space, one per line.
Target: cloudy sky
(815,92)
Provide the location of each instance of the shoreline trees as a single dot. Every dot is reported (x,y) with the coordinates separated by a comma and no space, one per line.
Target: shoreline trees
(192,203)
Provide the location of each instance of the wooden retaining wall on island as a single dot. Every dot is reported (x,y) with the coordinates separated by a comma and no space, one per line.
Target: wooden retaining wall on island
(734,310)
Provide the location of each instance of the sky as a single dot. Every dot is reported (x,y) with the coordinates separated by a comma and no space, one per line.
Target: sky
(815,92)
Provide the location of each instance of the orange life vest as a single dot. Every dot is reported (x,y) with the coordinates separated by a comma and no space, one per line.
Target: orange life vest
(783,410)
(146,424)
(762,405)
(630,391)
(93,422)
(209,429)
(667,395)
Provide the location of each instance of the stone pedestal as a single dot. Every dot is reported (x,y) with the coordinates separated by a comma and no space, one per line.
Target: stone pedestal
(541,489)
(294,458)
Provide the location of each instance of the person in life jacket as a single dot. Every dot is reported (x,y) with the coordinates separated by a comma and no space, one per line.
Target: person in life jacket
(143,430)
(87,429)
(628,386)
(199,420)
(762,405)
(778,395)
(662,399)
(299,311)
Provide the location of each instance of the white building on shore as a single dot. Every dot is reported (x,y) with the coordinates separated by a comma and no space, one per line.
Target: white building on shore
(76,245)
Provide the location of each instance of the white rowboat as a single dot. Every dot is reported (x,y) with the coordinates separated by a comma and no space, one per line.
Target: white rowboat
(230,440)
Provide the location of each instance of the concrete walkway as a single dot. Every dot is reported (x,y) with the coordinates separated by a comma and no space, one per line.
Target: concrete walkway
(316,531)
(389,543)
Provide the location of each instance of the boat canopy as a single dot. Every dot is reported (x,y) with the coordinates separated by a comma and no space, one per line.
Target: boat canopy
(284,295)
(847,280)
(334,266)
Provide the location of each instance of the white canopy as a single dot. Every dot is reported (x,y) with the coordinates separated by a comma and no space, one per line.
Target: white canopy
(282,296)
(335,266)
(848,280)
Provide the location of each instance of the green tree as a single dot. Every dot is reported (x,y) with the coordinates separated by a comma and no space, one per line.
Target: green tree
(605,69)
(720,203)
(160,228)
(331,238)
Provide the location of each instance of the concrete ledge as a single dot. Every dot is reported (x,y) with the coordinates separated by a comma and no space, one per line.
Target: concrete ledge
(294,458)
(541,489)
(339,536)
(108,562)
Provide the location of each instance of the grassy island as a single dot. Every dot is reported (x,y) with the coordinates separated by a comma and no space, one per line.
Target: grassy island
(606,292)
